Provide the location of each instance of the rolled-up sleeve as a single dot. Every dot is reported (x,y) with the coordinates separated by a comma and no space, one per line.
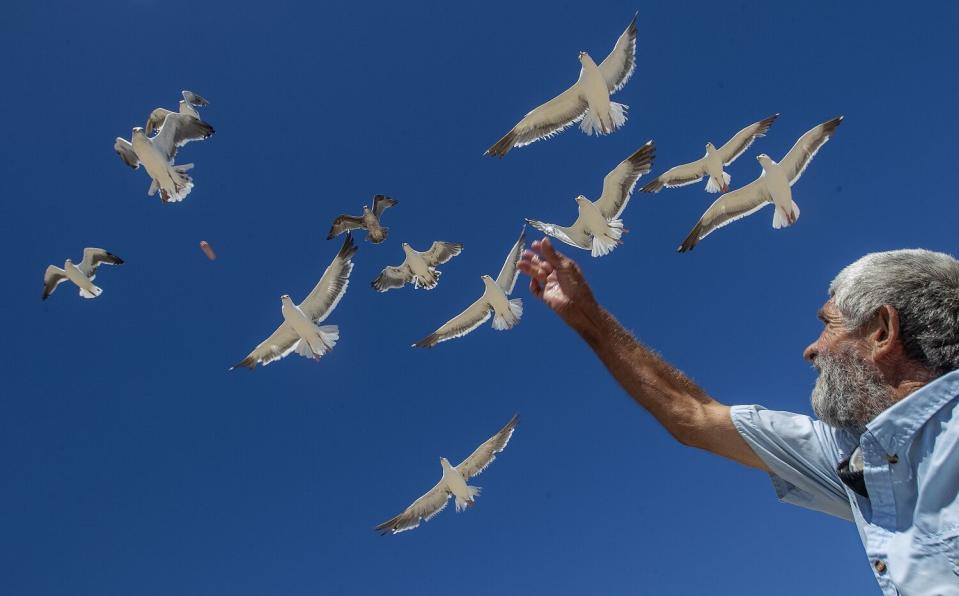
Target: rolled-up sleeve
(802,455)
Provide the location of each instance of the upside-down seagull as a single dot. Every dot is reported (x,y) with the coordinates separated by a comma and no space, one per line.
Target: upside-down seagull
(298,332)
(598,228)
(494,302)
(369,221)
(188,106)
(157,153)
(772,186)
(82,275)
(587,100)
(712,163)
(452,483)
(418,267)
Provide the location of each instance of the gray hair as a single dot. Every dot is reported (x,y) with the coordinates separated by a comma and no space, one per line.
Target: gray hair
(923,287)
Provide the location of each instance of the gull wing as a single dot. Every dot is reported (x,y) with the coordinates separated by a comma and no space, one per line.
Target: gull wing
(542,122)
(741,141)
(728,208)
(345,223)
(393,277)
(681,175)
(798,158)
(508,274)
(193,99)
(280,343)
(475,315)
(618,185)
(93,258)
(381,203)
(422,509)
(486,453)
(178,130)
(124,149)
(575,235)
(52,277)
(441,252)
(332,286)
(155,121)
(619,65)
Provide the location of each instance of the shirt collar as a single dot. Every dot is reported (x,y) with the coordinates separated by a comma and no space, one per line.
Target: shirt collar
(896,425)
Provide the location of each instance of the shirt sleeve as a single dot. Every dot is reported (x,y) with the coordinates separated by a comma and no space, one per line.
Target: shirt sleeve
(802,455)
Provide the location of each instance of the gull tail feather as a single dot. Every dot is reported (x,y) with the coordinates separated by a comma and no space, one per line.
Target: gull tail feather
(713,186)
(604,244)
(503,321)
(92,293)
(782,219)
(314,348)
(474,491)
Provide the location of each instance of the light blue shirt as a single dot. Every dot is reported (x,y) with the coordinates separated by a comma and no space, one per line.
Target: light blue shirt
(910,522)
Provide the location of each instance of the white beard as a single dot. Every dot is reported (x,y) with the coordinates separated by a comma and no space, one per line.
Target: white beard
(849,391)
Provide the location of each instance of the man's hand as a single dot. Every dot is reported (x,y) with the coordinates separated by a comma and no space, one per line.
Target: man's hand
(558,281)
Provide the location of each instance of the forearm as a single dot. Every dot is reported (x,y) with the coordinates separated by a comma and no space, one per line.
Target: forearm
(671,397)
(680,405)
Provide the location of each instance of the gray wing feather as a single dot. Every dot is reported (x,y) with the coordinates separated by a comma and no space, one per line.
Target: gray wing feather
(798,158)
(486,453)
(441,252)
(618,185)
(422,509)
(125,150)
(332,286)
(620,64)
(510,271)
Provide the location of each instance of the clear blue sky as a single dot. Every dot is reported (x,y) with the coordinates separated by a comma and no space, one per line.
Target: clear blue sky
(132,462)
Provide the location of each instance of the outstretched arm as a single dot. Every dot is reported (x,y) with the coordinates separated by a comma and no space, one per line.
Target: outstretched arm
(681,406)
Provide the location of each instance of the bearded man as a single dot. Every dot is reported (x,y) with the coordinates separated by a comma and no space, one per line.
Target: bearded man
(884,452)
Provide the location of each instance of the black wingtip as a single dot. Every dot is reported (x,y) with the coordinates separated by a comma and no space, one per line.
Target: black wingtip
(349,247)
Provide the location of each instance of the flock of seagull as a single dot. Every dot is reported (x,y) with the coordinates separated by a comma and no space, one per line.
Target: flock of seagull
(598,228)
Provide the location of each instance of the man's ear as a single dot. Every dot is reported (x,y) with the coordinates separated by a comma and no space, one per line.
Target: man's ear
(886,332)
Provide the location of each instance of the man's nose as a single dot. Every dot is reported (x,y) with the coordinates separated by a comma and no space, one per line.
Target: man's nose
(811,351)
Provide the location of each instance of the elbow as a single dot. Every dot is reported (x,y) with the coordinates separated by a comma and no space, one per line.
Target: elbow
(689,426)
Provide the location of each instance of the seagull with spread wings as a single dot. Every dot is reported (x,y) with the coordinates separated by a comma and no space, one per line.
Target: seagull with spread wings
(82,275)
(298,332)
(598,228)
(774,186)
(156,154)
(453,482)
(711,164)
(419,268)
(587,101)
(188,106)
(369,221)
(494,302)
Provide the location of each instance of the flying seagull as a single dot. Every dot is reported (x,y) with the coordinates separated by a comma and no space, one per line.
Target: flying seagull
(772,186)
(711,164)
(82,275)
(587,100)
(418,267)
(369,221)
(157,153)
(298,332)
(452,483)
(188,106)
(598,227)
(494,302)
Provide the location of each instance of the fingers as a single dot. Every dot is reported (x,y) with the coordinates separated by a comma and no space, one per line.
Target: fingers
(534,266)
(550,254)
(535,288)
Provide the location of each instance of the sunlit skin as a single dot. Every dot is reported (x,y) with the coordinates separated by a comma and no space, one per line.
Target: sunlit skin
(682,407)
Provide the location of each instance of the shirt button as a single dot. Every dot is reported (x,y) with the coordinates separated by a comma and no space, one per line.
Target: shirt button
(880,566)
(893,459)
